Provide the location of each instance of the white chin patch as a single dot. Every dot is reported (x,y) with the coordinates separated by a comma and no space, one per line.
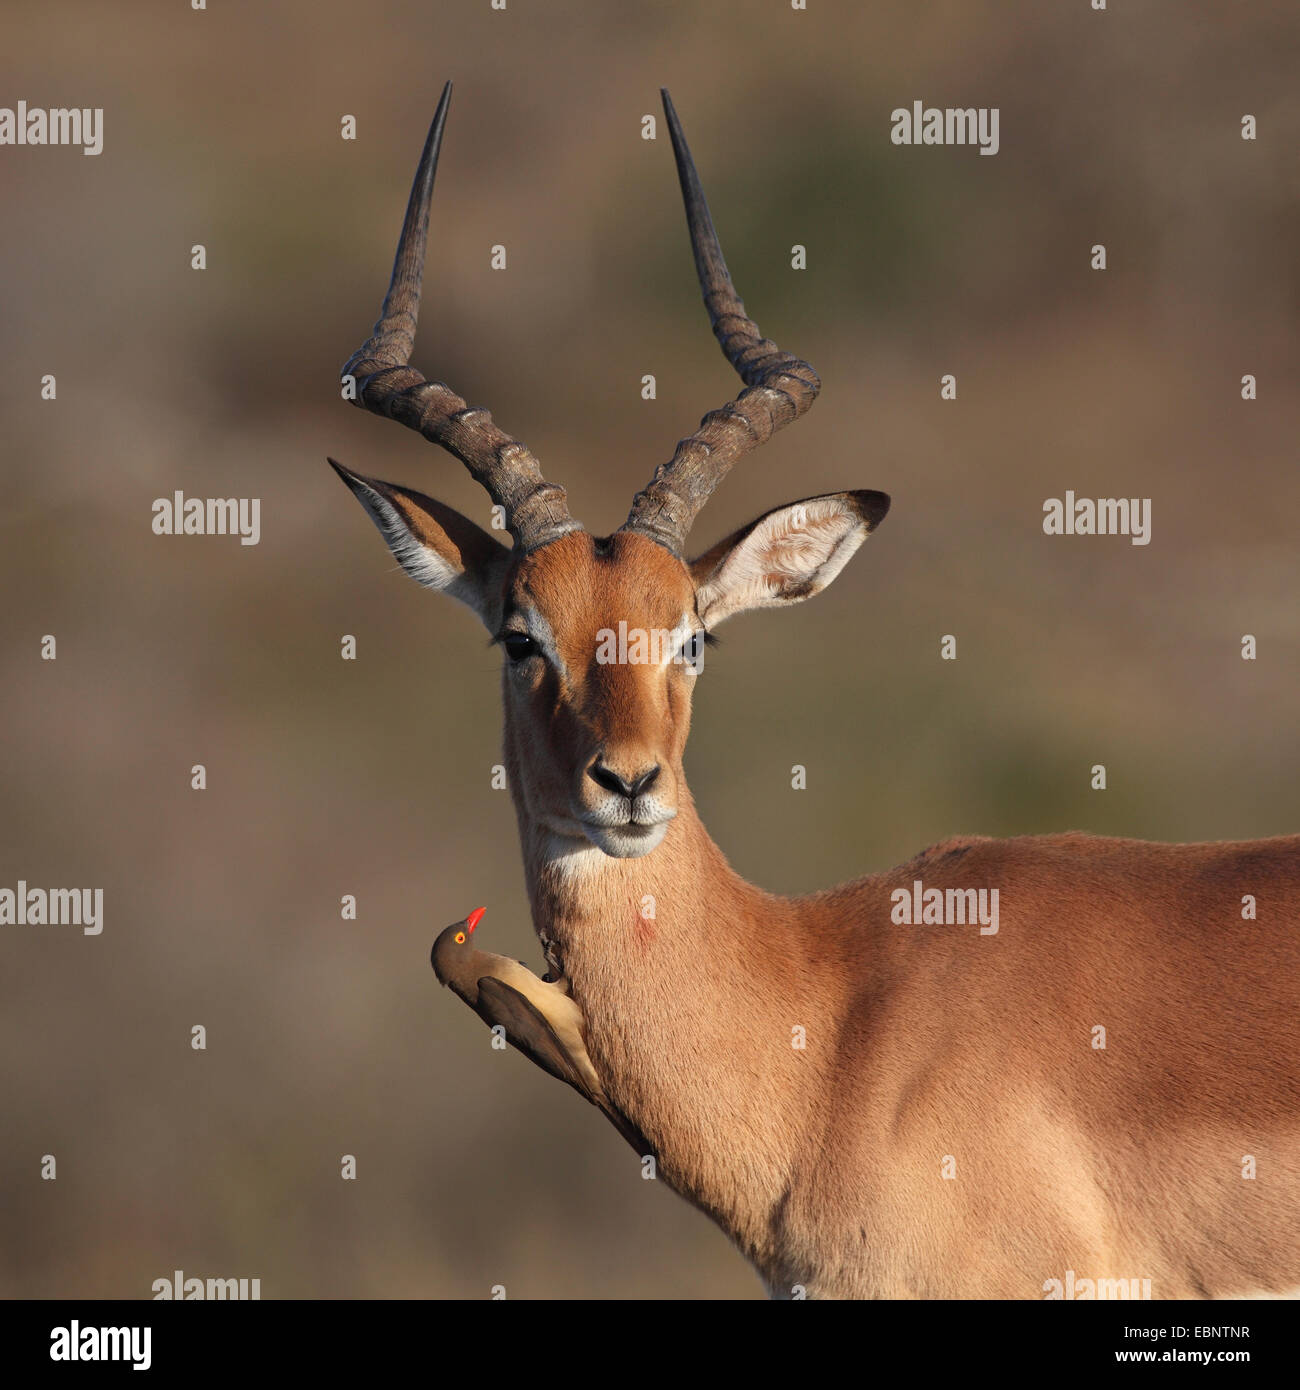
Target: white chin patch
(626,841)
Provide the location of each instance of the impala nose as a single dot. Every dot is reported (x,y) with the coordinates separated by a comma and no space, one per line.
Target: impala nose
(609,779)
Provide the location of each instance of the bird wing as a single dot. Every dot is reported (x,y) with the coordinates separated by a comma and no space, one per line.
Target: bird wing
(527,1029)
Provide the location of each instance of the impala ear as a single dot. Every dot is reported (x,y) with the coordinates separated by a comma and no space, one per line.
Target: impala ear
(434,544)
(787,555)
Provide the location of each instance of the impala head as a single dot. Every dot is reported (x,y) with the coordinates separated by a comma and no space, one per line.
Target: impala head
(601,636)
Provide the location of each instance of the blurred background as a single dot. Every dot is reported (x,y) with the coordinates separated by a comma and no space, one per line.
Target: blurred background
(372,777)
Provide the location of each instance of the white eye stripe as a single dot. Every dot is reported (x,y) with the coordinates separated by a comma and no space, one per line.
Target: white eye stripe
(540,631)
(682,634)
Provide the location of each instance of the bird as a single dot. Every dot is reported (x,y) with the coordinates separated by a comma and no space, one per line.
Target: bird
(539,1017)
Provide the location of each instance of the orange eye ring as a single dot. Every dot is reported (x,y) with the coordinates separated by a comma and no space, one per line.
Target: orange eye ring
(460,938)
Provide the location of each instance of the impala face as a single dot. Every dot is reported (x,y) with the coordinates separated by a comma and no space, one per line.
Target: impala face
(601,638)
(600,740)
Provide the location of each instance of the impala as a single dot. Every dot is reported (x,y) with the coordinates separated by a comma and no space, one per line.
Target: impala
(867,1105)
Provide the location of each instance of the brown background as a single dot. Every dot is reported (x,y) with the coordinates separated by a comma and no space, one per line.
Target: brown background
(325,777)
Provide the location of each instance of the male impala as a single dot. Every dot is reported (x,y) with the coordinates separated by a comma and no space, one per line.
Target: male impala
(867,1107)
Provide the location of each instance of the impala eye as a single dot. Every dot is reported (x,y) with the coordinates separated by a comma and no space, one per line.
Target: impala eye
(692,653)
(519,646)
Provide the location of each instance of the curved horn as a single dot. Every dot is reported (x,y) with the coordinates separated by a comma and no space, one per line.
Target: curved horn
(535,510)
(781,386)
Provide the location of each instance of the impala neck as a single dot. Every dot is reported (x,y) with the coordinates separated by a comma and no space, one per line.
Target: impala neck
(691,981)
(638,914)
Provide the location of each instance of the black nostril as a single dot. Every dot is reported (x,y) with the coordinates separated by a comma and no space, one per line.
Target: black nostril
(645,781)
(611,781)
